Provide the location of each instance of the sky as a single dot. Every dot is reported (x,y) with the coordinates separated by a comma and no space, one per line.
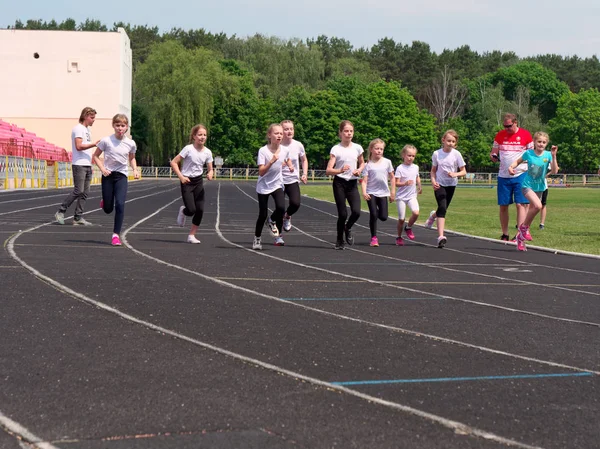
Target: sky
(527,27)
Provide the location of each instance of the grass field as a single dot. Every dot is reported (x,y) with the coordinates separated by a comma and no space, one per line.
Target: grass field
(572,221)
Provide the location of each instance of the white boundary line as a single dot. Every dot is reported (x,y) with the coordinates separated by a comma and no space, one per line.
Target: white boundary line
(412,290)
(29,438)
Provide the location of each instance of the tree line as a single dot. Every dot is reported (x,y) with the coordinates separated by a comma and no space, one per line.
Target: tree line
(398,92)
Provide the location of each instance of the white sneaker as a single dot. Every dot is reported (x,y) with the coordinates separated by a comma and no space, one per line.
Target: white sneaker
(287,224)
(279,241)
(430,220)
(273,227)
(441,241)
(256,244)
(192,239)
(181,217)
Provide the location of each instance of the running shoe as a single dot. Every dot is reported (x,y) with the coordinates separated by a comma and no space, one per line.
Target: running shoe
(349,236)
(399,241)
(409,233)
(521,241)
(59,217)
(279,241)
(116,241)
(441,241)
(192,239)
(505,237)
(526,234)
(181,217)
(81,222)
(256,244)
(429,222)
(542,227)
(287,223)
(273,227)
(374,241)
(339,245)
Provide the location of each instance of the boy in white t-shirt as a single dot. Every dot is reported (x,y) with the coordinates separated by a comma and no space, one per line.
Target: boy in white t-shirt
(81,141)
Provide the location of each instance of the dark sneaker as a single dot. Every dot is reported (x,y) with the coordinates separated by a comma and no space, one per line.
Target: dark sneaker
(505,238)
(339,245)
(542,227)
(349,236)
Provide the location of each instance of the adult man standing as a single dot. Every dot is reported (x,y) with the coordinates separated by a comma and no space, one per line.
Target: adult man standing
(509,145)
(81,141)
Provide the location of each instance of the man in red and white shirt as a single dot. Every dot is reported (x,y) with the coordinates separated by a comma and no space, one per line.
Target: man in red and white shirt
(509,145)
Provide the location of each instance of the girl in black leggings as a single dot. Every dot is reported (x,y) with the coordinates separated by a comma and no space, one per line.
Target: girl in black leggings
(346,162)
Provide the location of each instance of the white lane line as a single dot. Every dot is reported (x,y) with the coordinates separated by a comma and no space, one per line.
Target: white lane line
(23,433)
(421,292)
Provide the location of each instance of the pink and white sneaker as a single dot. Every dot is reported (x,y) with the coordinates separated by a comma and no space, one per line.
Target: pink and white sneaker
(374,241)
(116,241)
(526,234)
(399,241)
(409,233)
(521,241)
(430,220)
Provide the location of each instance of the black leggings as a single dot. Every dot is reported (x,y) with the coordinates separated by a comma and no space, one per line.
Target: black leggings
(293,193)
(263,210)
(114,194)
(378,209)
(346,190)
(443,196)
(192,194)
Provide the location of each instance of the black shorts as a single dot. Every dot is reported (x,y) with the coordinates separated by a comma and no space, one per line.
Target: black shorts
(544,197)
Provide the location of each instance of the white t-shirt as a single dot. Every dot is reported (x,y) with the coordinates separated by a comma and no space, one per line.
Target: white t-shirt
(116,153)
(378,174)
(447,162)
(347,156)
(83,157)
(194,160)
(407,173)
(295,151)
(272,179)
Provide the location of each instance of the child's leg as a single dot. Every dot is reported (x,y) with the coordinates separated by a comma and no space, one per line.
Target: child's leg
(339,194)
(442,203)
(543,211)
(108,193)
(372,203)
(535,205)
(382,207)
(188,197)
(198,206)
(120,187)
(263,203)
(401,206)
(353,197)
(413,203)
(277,216)
(293,193)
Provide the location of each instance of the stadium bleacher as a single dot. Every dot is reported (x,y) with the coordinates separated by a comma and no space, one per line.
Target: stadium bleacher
(16,141)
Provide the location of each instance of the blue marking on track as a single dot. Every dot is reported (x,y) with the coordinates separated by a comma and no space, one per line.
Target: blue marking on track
(461,379)
(359,299)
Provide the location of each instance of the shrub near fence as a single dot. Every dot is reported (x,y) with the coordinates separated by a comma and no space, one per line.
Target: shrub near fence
(475,179)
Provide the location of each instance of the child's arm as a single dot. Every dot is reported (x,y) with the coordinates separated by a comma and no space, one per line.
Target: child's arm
(393,187)
(304,177)
(264,168)
(419,188)
(511,167)
(289,164)
(210,172)
(175,167)
(432,174)
(363,186)
(554,163)
(133,163)
(361,166)
(331,171)
(99,162)
(458,174)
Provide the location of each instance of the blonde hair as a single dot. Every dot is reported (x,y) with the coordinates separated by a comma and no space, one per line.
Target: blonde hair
(284,122)
(541,134)
(195,130)
(405,148)
(271,126)
(511,117)
(343,124)
(120,118)
(452,133)
(372,144)
(85,112)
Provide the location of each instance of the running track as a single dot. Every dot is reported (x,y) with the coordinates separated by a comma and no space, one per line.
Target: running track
(163,344)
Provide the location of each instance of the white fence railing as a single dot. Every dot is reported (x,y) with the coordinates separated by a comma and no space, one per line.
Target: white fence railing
(319,175)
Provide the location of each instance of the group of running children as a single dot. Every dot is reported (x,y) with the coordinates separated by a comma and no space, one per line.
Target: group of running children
(279,163)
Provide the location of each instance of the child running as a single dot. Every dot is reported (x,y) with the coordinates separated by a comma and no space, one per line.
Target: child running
(447,165)
(270,159)
(297,155)
(375,189)
(119,150)
(534,183)
(346,162)
(408,183)
(194,156)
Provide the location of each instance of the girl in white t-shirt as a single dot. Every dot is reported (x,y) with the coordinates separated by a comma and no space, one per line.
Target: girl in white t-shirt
(194,157)
(408,183)
(297,155)
(270,159)
(375,188)
(447,165)
(119,151)
(346,162)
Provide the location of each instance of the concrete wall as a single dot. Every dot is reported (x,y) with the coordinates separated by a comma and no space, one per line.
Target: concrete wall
(48,77)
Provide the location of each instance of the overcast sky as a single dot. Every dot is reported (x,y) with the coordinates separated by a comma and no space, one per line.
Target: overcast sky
(525,27)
